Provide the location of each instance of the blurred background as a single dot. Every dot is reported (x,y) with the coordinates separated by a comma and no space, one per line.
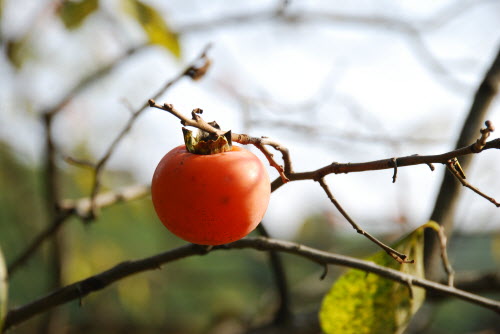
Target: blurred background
(345,82)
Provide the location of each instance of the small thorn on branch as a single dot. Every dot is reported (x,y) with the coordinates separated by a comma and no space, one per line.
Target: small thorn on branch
(395,175)
(325,271)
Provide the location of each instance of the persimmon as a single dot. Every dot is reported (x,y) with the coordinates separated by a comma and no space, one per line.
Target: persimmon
(210,198)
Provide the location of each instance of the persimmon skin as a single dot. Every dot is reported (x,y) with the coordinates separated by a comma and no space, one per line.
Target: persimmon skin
(210,199)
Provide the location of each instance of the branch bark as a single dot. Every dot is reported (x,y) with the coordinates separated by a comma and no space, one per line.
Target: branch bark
(98,282)
(412,160)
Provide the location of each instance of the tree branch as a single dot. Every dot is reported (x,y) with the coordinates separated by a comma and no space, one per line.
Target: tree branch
(413,32)
(98,282)
(401,258)
(411,160)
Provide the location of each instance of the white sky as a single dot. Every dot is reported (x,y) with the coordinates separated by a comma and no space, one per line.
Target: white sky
(345,79)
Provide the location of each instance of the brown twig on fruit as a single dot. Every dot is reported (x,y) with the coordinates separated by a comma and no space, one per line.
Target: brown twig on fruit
(198,122)
(98,282)
(401,258)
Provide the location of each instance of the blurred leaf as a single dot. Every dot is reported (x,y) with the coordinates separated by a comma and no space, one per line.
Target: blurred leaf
(359,302)
(74,12)
(3,290)
(154,26)
(18,50)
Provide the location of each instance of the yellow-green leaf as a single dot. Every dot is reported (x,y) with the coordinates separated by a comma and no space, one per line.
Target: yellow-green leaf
(359,302)
(3,290)
(154,26)
(19,50)
(74,12)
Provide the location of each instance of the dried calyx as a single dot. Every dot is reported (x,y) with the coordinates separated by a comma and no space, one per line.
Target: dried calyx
(206,143)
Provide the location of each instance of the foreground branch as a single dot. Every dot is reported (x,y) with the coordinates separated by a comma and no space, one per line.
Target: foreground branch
(98,282)
(412,160)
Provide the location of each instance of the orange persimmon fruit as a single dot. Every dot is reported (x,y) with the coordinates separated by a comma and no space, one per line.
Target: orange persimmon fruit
(210,199)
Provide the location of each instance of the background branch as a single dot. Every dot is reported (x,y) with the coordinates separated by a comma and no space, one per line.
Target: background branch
(191,71)
(95,201)
(449,192)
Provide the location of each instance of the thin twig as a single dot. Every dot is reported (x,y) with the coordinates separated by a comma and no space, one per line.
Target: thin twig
(84,287)
(79,162)
(401,258)
(485,133)
(50,230)
(79,208)
(443,240)
(92,78)
(82,207)
(191,71)
(413,33)
(451,166)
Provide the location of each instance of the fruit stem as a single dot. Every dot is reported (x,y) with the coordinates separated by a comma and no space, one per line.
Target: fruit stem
(206,143)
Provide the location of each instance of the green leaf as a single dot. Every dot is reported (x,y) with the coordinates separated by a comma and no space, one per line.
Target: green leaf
(74,12)
(3,290)
(154,26)
(360,302)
